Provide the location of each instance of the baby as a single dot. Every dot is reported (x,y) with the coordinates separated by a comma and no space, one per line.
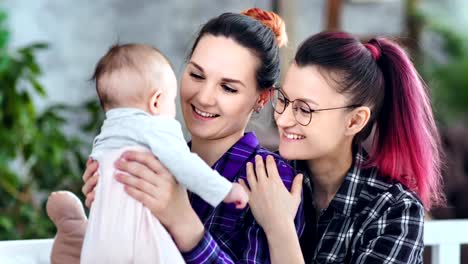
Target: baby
(137,88)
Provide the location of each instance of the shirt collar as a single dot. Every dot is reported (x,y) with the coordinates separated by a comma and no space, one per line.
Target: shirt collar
(237,156)
(235,159)
(123,112)
(347,197)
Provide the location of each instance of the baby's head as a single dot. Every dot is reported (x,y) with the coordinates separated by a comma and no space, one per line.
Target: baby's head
(137,76)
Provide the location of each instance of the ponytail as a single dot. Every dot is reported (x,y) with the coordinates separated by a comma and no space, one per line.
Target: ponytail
(406,142)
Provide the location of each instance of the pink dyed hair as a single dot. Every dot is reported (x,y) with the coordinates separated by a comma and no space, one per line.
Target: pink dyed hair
(407,143)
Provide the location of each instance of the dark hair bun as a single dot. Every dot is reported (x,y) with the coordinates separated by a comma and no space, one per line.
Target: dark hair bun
(271,20)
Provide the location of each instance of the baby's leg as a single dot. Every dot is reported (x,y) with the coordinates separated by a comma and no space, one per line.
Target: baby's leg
(67,213)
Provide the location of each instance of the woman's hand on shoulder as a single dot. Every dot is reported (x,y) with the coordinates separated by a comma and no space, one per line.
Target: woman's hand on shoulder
(90,178)
(271,203)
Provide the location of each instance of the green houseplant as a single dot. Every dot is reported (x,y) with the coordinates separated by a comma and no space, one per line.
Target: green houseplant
(446,70)
(36,156)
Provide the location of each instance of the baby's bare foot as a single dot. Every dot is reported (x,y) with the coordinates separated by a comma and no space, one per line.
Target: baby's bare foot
(67,213)
(64,206)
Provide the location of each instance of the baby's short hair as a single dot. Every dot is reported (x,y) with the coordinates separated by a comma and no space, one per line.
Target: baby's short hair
(134,61)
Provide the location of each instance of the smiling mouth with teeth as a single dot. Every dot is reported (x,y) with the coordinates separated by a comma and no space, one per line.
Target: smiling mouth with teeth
(203,114)
(293,136)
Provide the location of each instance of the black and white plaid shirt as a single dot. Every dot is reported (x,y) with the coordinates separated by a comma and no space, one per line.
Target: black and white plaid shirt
(371,219)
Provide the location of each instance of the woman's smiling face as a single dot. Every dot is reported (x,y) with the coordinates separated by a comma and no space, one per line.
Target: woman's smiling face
(326,131)
(219,88)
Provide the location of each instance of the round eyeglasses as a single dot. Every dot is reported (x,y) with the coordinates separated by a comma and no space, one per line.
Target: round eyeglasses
(301,109)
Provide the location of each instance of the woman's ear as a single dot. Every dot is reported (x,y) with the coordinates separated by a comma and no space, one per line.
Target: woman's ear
(264,98)
(357,119)
(155,103)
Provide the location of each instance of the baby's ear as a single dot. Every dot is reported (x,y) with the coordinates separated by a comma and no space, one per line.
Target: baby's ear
(155,103)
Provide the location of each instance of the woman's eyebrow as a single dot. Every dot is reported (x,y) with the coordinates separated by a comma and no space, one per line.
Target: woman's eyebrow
(229,80)
(233,81)
(307,100)
(196,66)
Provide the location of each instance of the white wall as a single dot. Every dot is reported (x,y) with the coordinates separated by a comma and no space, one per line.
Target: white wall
(81,31)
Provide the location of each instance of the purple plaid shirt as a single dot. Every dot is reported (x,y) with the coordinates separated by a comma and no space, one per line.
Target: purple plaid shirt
(233,236)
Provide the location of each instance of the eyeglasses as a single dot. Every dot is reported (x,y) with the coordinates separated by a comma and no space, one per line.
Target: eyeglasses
(301,110)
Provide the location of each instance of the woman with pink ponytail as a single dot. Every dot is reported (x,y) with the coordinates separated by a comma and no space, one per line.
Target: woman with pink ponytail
(360,207)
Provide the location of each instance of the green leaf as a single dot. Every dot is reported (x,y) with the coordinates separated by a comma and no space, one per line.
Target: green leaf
(4,64)
(38,45)
(27,211)
(33,67)
(37,86)
(3,16)
(4,38)
(6,223)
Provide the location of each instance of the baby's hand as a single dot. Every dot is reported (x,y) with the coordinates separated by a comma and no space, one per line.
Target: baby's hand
(237,195)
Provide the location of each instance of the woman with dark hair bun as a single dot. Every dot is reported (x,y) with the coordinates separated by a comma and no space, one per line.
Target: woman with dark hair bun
(360,207)
(230,72)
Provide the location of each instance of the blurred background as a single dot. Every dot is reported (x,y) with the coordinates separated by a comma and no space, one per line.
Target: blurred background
(49,111)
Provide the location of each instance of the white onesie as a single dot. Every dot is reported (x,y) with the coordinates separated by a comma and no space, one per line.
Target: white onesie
(120,229)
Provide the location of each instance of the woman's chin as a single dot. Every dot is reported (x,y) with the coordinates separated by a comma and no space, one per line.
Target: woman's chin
(288,153)
(202,132)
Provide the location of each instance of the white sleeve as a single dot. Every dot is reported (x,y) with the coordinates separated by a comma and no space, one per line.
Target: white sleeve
(167,143)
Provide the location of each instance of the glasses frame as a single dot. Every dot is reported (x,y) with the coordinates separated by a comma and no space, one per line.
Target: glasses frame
(287,101)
